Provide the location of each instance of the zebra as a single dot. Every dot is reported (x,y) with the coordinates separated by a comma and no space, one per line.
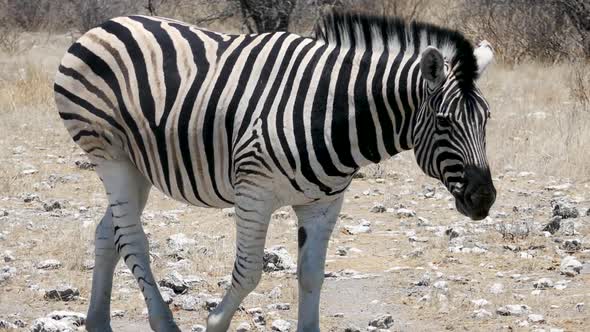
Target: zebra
(261,121)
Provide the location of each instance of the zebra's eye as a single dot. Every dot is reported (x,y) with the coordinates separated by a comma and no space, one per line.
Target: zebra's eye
(443,121)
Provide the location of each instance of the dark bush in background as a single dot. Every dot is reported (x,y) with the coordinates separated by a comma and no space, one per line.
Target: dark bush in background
(549,30)
(545,30)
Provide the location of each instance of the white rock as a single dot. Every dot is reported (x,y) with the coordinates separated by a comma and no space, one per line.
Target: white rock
(481,314)
(225,282)
(536,318)
(243,327)
(280,325)
(212,303)
(352,328)
(570,266)
(46,324)
(497,288)
(543,283)
(8,256)
(480,303)
(62,293)
(564,186)
(52,205)
(252,311)
(118,313)
(571,245)
(525,255)
(279,306)
(259,320)
(18,150)
(6,325)
(167,294)
(405,213)
(198,328)
(423,222)
(364,227)
(30,171)
(74,318)
(561,284)
(175,282)
(188,302)
(441,285)
(275,293)
(49,264)
(513,310)
(180,242)
(277,258)
(382,322)
(229,212)
(377,208)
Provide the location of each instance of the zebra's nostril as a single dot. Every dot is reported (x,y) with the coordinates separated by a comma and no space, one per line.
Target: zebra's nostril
(482,198)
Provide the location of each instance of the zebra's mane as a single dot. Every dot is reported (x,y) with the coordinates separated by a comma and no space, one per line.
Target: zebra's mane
(396,35)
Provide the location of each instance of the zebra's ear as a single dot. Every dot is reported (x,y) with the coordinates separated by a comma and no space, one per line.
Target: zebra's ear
(432,66)
(484,54)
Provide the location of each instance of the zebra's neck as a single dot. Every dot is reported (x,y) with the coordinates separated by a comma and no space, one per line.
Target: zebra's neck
(375,101)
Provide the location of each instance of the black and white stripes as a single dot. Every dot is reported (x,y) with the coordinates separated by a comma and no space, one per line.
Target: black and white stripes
(265,120)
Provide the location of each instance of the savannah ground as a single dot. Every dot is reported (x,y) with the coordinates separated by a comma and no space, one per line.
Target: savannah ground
(415,268)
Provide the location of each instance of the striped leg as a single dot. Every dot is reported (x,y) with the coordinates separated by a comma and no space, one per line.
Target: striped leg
(252,219)
(128,191)
(105,260)
(316,223)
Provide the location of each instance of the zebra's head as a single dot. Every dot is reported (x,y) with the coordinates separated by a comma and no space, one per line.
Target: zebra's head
(449,130)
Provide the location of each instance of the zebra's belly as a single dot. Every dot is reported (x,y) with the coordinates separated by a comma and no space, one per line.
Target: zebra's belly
(191,173)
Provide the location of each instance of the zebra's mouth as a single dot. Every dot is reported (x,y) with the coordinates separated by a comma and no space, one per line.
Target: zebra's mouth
(475,206)
(460,206)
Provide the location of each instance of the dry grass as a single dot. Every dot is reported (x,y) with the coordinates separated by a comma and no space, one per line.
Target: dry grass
(536,124)
(33,88)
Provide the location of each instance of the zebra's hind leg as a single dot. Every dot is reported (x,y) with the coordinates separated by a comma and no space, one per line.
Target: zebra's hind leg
(105,260)
(128,191)
(252,219)
(316,223)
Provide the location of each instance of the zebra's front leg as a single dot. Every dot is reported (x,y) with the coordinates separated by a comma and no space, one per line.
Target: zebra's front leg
(316,222)
(127,192)
(105,260)
(252,219)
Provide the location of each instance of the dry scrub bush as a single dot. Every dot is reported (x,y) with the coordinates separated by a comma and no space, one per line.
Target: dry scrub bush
(28,15)
(91,13)
(579,85)
(7,182)
(33,88)
(535,124)
(523,30)
(10,40)
(67,15)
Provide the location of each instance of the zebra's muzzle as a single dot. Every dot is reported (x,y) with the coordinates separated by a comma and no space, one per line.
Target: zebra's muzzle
(479,194)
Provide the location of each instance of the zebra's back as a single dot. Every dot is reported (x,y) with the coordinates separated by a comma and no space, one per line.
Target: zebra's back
(141,88)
